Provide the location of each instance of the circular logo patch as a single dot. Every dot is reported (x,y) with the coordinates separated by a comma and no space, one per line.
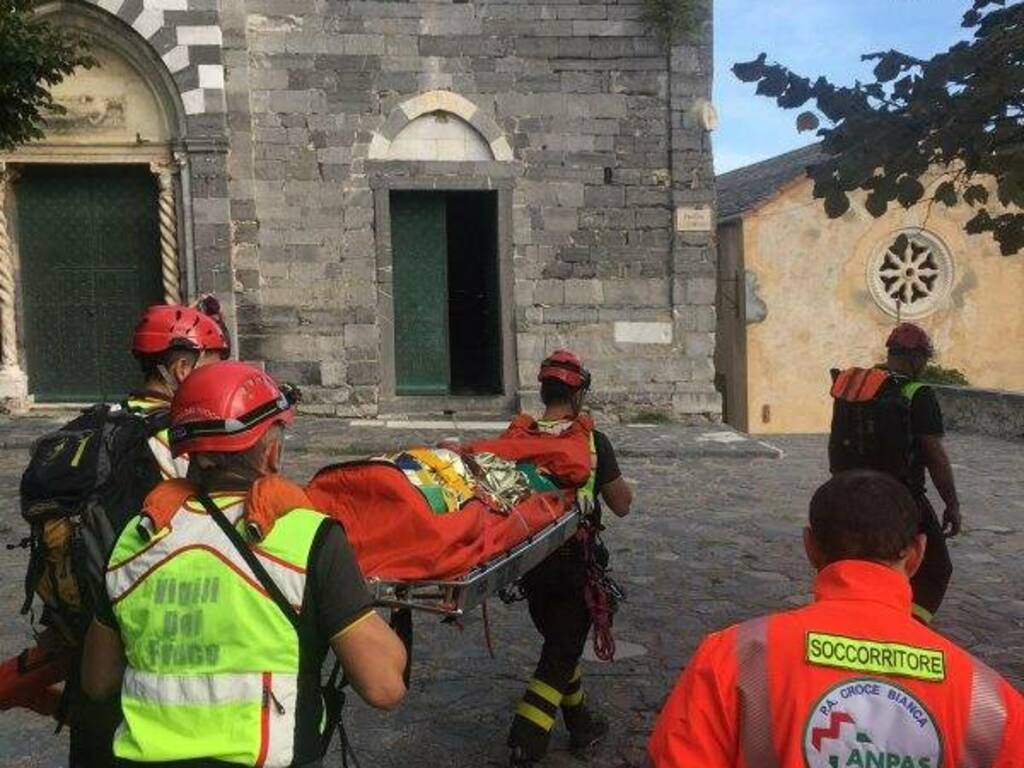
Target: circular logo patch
(871,724)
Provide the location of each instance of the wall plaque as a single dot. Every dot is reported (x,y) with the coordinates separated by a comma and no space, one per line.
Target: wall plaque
(693,219)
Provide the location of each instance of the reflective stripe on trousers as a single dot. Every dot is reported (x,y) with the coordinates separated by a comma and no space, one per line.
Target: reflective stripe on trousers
(985,727)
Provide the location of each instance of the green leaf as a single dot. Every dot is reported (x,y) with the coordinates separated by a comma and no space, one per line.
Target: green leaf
(774,82)
(908,191)
(1011,188)
(946,194)
(836,204)
(902,88)
(887,68)
(976,194)
(749,71)
(807,121)
(798,92)
(876,205)
(971,19)
(981,222)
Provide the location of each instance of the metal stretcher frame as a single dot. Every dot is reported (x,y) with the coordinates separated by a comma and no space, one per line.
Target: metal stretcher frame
(455,597)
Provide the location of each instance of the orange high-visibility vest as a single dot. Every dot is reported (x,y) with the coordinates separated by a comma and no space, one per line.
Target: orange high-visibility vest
(850,681)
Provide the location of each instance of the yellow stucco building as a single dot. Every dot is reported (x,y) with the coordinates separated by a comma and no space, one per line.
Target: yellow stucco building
(800,293)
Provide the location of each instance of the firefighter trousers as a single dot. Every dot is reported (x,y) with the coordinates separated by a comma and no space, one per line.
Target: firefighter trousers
(932,579)
(558,608)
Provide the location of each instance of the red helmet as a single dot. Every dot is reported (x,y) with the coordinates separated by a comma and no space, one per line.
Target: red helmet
(907,337)
(562,365)
(171,326)
(226,407)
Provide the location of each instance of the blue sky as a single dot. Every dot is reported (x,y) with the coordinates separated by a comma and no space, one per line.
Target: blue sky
(812,37)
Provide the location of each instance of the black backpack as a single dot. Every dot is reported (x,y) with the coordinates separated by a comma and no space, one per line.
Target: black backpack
(871,427)
(82,485)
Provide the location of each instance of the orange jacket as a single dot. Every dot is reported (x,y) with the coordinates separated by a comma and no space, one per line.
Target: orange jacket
(850,681)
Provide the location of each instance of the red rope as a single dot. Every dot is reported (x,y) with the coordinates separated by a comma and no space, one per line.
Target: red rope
(601,616)
(599,605)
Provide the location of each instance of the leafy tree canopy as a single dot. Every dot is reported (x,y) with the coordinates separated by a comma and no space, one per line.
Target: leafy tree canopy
(34,56)
(962,110)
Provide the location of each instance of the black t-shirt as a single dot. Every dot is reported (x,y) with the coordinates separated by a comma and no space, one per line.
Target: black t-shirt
(335,590)
(925,420)
(607,465)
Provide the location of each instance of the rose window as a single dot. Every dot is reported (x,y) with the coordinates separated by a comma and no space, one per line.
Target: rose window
(911,276)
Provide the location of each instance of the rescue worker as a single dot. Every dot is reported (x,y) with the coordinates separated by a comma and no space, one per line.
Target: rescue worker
(555,589)
(216,643)
(909,350)
(852,679)
(169,342)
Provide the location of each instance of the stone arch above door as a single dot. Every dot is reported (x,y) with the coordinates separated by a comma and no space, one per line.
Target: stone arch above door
(186,43)
(455,118)
(111,103)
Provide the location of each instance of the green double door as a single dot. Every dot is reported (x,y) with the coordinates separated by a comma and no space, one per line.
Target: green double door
(90,263)
(446,293)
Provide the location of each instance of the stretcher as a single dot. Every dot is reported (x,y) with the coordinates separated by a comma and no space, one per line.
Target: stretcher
(435,530)
(457,596)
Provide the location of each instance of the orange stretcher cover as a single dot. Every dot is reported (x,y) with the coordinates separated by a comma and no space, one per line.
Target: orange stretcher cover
(565,455)
(395,534)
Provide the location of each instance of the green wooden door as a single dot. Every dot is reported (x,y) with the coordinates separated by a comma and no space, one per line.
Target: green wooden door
(90,262)
(420,272)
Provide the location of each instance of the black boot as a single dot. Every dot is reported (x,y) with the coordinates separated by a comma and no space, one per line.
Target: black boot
(519,758)
(528,743)
(585,727)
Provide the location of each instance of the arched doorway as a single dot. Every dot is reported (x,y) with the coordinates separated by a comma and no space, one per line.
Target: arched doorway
(93,222)
(451,334)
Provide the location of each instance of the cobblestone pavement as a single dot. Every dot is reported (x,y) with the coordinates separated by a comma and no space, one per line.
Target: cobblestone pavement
(714,538)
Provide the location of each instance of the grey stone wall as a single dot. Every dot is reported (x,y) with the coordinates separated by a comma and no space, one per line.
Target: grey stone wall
(598,115)
(983,411)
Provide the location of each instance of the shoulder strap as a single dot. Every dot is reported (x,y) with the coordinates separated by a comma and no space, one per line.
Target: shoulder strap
(253,562)
(911,388)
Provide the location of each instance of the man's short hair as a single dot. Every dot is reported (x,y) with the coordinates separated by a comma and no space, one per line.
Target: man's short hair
(240,464)
(864,515)
(555,392)
(150,364)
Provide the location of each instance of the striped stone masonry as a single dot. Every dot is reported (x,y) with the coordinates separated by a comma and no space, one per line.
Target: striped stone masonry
(187,37)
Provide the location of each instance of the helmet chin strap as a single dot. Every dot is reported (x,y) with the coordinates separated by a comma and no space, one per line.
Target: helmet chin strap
(169,380)
(577,402)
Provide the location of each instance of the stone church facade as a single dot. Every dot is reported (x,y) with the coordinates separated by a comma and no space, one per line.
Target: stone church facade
(402,206)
